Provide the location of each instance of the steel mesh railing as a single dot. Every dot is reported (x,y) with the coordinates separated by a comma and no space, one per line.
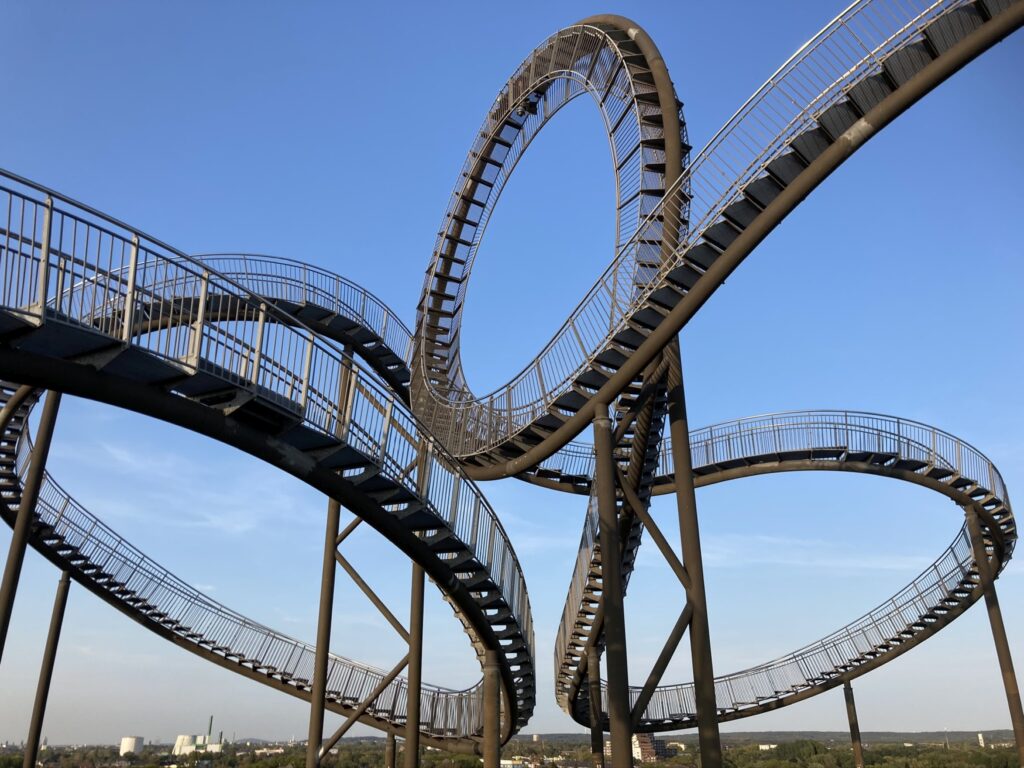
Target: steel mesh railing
(846,51)
(280,278)
(575,60)
(208,623)
(62,262)
(825,436)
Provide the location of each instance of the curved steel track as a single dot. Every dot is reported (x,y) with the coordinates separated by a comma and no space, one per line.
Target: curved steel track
(257,352)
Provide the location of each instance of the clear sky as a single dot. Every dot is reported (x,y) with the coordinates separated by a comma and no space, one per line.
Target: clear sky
(333,133)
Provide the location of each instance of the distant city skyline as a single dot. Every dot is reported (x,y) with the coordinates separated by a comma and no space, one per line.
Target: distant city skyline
(224,129)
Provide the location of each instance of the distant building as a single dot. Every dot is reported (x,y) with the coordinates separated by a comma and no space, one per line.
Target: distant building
(678,746)
(186,744)
(981,740)
(766,747)
(646,748)
(132,745)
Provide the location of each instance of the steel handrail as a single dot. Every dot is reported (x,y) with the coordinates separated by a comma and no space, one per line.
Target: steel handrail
(277,361)
(885,434)
(708,169)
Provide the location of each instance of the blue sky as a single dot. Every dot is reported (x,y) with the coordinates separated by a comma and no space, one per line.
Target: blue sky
(333,133)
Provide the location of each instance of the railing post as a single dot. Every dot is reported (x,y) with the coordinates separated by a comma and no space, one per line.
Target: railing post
(995,618)
(35,729)
(26,511)
(346,391)
(196,346)
(323,637)
(619,719)
(261,324)
(129,295)
(307,370)
(44,257)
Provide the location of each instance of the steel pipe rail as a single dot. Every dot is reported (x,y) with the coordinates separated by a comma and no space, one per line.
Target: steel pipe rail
(798,441)
(330,304)
(69,535)
(255,377)
(794,130)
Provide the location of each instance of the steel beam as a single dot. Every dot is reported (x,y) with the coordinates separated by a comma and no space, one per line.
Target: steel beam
(323,637)
(689,533)
(35,729)
(26,509)
(492,710)
(620,725)
(995,619)
(390,750)
(594,692)
(412,723)
(851,714)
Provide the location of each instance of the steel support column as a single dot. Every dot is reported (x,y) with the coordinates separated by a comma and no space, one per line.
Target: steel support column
(492,710)
(594,694)
(995,618)
(323,637)
(35,729)
(26,508)
(390,750)
(851,715)
(412,723)
(619,721)
(689,532)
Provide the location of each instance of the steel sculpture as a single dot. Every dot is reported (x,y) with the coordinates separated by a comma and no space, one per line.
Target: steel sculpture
(261,353)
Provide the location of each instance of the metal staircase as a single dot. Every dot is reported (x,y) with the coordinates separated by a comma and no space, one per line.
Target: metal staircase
(805,440)
(857,62)
(113,314)
(74,539)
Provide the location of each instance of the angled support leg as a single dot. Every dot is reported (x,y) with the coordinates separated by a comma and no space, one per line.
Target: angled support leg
(26,508)
(851,714)
(619,719)
(412,723)
(323,637)
(995,618)
(35,730)
(689,531)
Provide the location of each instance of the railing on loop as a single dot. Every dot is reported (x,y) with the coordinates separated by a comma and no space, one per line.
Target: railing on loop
(827,436)
(290,280)
(846,51)
(775,433)
(63,262)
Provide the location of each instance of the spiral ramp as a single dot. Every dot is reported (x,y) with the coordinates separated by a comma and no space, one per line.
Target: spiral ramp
(245,349)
